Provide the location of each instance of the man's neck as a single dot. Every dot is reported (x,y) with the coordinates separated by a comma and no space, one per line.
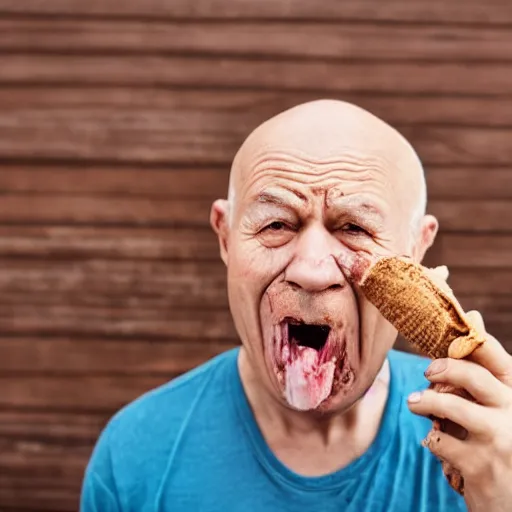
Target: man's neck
(313,444)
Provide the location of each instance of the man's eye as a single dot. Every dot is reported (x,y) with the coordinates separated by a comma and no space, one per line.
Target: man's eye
(276,226)
(353,228)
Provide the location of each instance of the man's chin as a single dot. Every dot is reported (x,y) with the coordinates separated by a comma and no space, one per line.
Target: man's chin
(340,402)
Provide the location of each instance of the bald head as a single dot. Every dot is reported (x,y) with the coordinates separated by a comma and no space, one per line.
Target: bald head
(311,189)
(325,130)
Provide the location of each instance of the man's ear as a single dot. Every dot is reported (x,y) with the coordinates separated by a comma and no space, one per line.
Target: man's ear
(426,236)
(219,220)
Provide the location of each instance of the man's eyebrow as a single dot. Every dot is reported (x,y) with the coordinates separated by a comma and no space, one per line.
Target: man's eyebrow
(368,208)
(357,203)
(281,197)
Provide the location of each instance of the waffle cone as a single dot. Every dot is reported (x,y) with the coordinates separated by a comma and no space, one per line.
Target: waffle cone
(427,316)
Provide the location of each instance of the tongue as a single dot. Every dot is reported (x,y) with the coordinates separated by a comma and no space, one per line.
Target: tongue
(308,383)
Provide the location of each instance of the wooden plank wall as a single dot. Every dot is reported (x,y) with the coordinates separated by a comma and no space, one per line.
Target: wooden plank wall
(118,122)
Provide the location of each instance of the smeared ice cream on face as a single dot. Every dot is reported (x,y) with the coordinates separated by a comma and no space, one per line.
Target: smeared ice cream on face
(308,380)
(310,341)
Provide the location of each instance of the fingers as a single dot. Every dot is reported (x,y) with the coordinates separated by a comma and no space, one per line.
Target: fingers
(445,446)
(476,320)
(469,415)
(481,384)
(491,354)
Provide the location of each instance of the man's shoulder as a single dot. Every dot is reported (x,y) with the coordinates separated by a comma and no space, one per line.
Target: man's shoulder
(141,438)
(149,427)
(172,401)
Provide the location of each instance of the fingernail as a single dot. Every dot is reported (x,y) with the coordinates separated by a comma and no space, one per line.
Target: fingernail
(437,366)
(414,397)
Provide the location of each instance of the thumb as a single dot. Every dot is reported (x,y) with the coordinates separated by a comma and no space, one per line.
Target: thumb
(491,354)
(475,319)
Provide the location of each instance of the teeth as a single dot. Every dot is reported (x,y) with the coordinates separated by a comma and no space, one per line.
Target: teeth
(285,353)
(282,347)
(292,321)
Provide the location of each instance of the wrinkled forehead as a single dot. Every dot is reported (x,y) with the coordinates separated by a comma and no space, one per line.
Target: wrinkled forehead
(332,179)
(314,140)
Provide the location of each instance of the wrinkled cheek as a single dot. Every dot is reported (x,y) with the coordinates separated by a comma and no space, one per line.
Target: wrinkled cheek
(251,272)
(247,280)
(258,265)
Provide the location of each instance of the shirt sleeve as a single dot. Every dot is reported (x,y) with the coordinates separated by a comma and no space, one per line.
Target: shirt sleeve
(99,492)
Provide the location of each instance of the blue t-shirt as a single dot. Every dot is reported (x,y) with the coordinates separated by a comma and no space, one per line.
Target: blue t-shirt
(193,445)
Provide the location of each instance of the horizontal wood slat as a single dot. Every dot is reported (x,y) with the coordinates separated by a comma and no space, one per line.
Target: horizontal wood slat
(467,183)
(482,78)
(434,11)
(129,322)
(69,356)
(94,242)
(92,134)
(60,461)
(43,456)
(212,182)
(124,182)
(103,393)
(152,106)
(475,216)
(42,474)
(476,251)
(66,428)
(114,283)
(75,209)
(480,281)
(19,494)
(189,136)
(271,39)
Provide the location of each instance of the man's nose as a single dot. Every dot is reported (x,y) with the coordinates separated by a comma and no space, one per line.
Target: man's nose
(314,267)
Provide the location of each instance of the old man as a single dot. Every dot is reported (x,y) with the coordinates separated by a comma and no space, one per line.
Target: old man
(312,411)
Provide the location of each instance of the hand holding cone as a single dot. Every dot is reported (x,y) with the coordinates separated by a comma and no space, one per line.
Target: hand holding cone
(419,303)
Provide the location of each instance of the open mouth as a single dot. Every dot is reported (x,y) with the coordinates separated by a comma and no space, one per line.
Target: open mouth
(311,362)
(307,335)
(296,336)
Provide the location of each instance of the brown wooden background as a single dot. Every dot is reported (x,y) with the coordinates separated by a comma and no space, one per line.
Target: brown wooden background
(118,122)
